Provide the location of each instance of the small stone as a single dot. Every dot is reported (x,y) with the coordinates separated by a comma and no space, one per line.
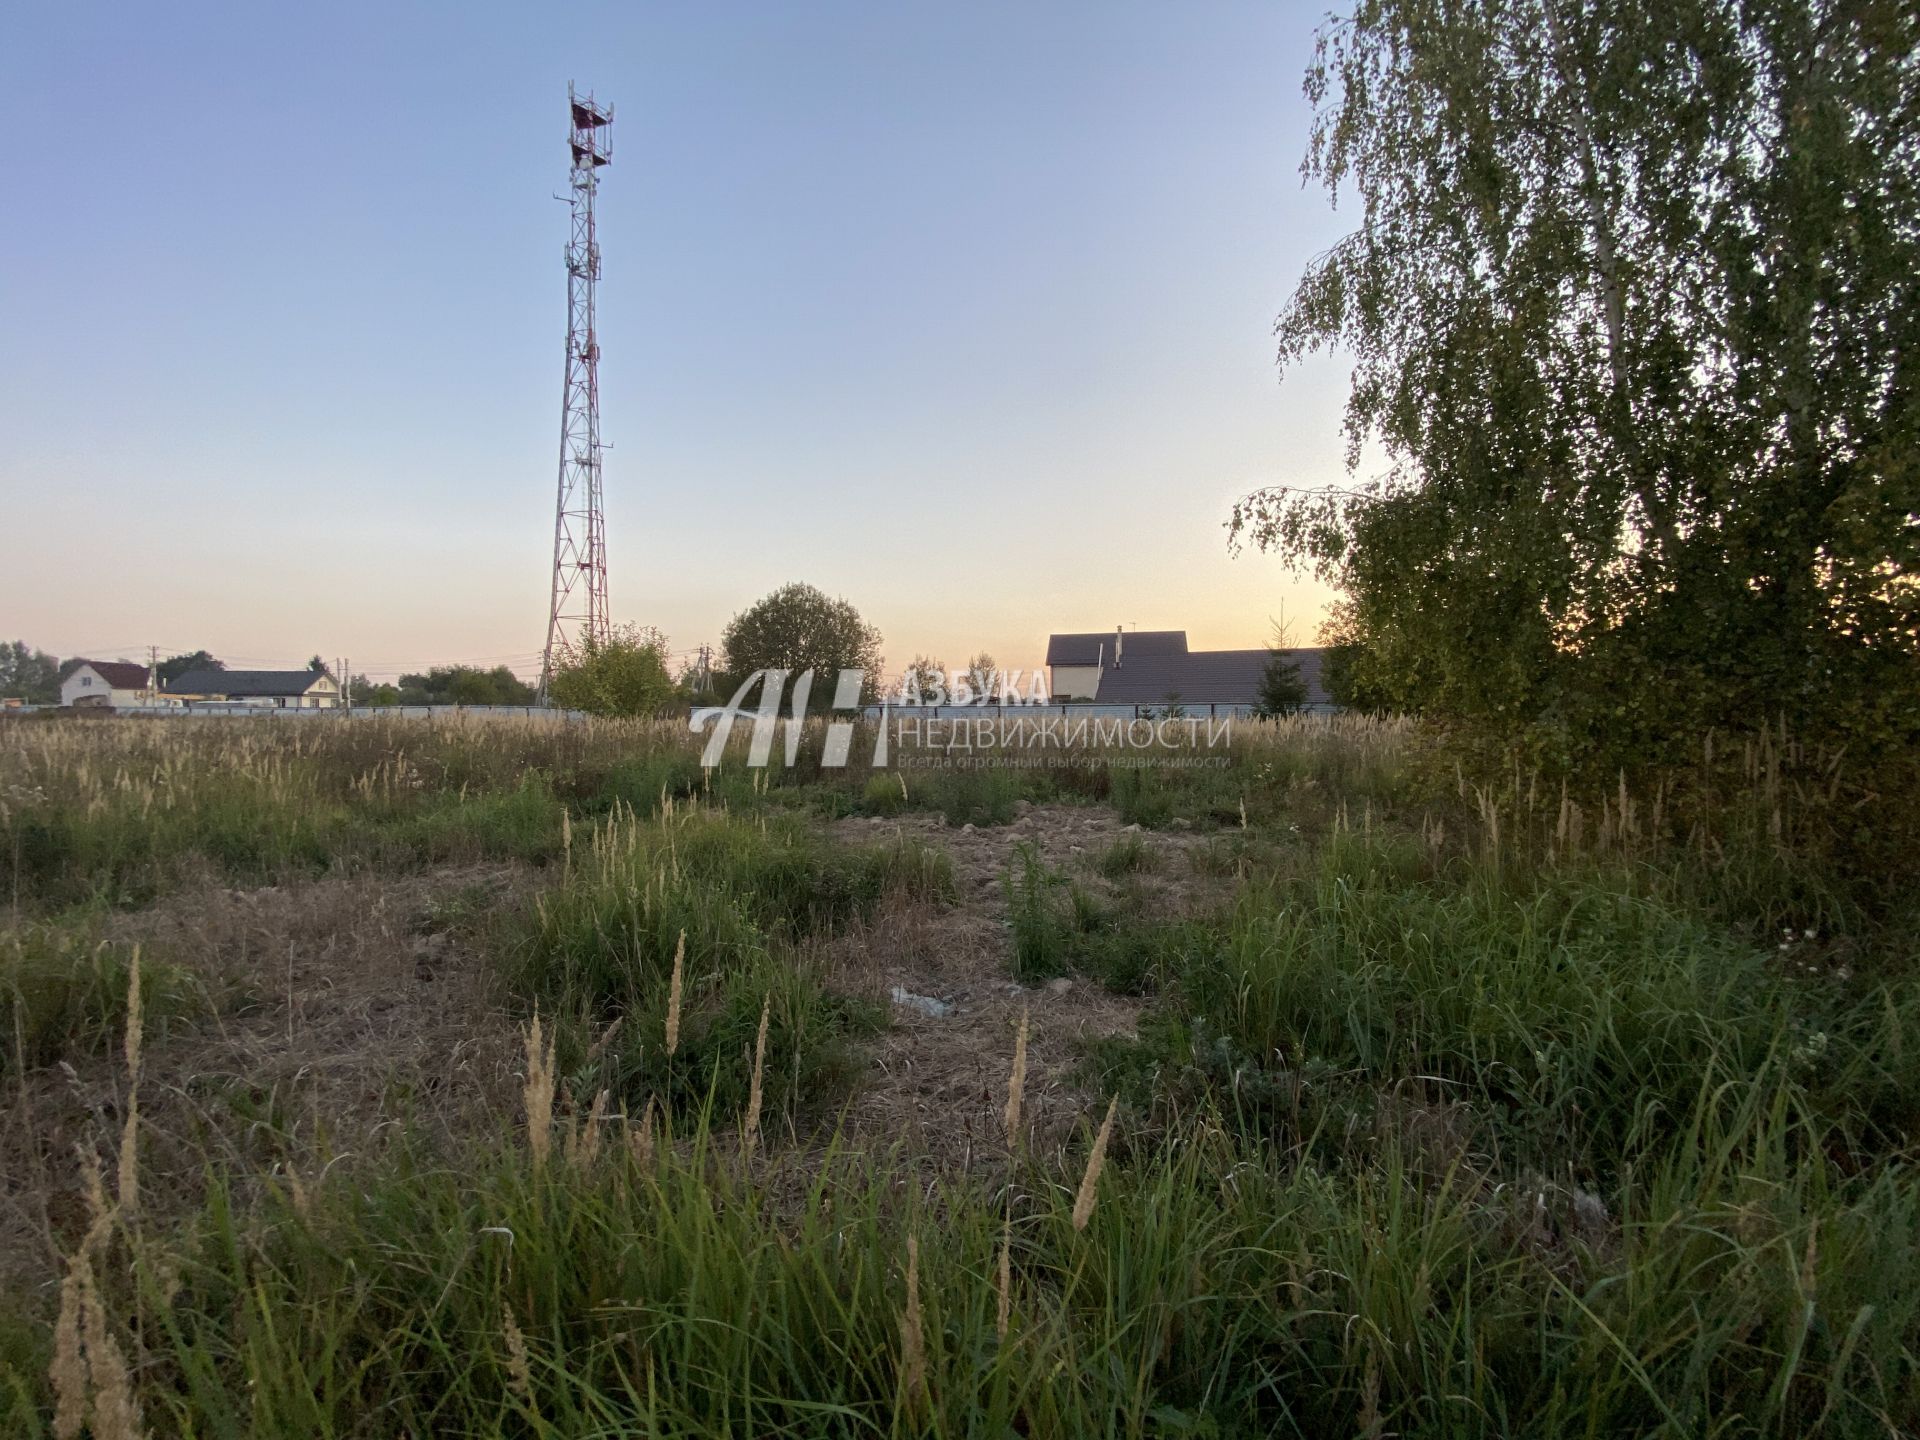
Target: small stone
(926,1004)
(1590,1213)
(1133,829)
(967,829)
(1060,986)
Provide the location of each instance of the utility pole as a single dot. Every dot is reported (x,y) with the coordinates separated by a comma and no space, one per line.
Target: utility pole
(153,675)
(578,610)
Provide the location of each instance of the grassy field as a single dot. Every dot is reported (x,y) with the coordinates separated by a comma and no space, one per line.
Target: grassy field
(514,1078)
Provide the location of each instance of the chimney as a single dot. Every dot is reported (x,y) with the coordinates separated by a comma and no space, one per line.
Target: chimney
(1119,639)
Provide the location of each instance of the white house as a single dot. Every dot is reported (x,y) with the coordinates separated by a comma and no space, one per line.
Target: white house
(105,685)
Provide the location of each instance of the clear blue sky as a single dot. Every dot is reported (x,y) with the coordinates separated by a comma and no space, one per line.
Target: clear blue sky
(962,311)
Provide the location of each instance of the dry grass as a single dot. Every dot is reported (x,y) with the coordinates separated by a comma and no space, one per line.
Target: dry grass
(342,1018)
(1273,1206)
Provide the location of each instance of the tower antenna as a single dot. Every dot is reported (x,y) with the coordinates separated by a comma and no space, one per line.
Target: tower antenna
(579,607)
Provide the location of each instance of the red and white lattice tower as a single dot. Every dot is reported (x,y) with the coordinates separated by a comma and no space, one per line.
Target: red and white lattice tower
(579,608)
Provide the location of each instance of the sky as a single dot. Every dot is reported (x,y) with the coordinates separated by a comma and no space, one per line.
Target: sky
(962,311)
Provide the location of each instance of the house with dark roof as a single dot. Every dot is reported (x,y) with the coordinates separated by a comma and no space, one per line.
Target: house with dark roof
(1076,662)
(1154,668)
(271,689)
(104,685)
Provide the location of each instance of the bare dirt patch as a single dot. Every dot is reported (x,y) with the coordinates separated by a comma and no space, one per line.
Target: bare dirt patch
(938,1081)
(339,1009)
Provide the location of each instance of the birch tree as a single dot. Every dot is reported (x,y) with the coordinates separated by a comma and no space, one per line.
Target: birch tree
(1632,304)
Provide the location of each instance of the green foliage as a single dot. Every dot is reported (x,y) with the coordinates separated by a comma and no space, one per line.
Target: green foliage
(1129,855)
(884,794)
(625,674)
(1627,345)
(1282,689)
(799,628)
(29,675)
(258,802)
(1040,933)
(969,794)
(1495,1131)
(924,682)
(1059,928)
(375,695)
(1141,796)
(63,991)
(1740,1298)
(983,678)
(1581,1022)
(455,685)
(601,948)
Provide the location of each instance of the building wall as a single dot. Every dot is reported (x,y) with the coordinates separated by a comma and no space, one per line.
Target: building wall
(1073,682)
(324,695)
(86,686)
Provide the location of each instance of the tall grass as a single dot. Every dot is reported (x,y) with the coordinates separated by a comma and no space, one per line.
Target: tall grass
(726,900)
(676,1290)
(63,992)
(1574,1019)
(1476,1111)
(1059,928)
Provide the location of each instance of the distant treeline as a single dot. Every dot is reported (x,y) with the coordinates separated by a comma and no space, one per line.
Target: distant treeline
(447,685)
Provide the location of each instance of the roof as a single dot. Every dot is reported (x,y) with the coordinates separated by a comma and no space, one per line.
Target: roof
(1201,677)
(245,682)
(119,674)
(1095,647)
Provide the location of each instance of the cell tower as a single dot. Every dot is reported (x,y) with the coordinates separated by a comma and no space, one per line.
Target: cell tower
(579,607)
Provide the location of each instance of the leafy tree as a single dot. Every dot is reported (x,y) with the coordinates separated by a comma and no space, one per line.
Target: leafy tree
(799,628)
(1634,302)
(174,666)
(625,674)
(982,675)
(464,685)
(924,682)
(29,675)
(1343,667)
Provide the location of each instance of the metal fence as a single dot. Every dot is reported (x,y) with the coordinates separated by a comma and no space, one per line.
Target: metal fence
(1091,710)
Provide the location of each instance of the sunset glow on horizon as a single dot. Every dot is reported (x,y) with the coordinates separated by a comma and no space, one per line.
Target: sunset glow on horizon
(964,316)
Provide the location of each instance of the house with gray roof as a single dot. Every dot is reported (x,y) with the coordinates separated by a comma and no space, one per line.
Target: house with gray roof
(269,689)
(1152,668)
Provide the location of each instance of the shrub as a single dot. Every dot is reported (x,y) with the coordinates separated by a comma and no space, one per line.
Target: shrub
(624,674)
